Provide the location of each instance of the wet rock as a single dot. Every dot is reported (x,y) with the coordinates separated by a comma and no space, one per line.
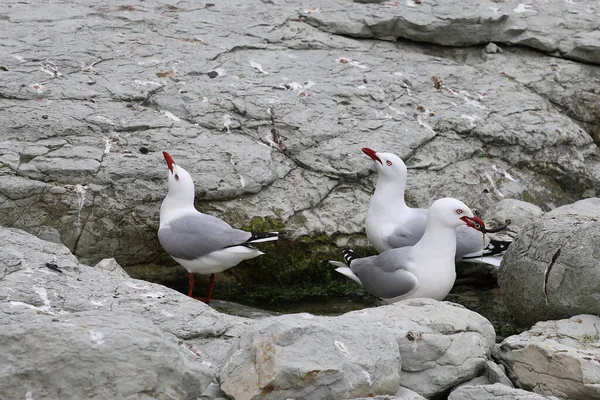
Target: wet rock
(551,271)
(493,392)
(96,354)
(439,344)
(560,358)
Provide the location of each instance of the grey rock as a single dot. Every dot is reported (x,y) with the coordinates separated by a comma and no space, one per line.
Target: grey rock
(407,394)
(96,355)
(29,288)
(477,381)
(401,394)
(492,48)
(304,356)
(452,24)
(520,213)
(440,345)
(559,358)
(111,266)
(551,271)
(87,114)
(497,374)
(494,392)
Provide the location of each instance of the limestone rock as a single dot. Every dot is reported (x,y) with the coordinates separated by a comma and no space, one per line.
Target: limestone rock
(496,391)
(96,355)
(559,358)
(440,345)
(552,271)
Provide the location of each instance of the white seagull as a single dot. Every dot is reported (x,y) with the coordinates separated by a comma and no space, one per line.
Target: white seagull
(391,223)
(426,269)
(201,243)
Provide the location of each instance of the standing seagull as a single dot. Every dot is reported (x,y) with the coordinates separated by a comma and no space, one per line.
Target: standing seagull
(201,243)
(392,224)
(424,270)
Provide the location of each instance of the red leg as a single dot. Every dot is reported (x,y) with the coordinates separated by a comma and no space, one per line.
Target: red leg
(211,283)
(191,282)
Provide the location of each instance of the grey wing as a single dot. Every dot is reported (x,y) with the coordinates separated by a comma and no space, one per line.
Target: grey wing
(410,232)
(384,275)
(469,242)
(193,236)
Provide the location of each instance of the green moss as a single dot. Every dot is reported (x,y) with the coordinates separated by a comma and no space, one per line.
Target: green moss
(264,224)
(526,196)
(291,271)
(590,338)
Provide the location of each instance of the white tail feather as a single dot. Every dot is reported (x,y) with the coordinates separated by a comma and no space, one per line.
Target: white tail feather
(346,271)
(268,239)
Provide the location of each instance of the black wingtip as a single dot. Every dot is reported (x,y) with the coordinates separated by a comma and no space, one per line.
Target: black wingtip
(349,255)
(258,237)
(496,247)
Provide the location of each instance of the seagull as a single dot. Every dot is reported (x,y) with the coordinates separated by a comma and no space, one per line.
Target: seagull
(426,269)
(392,224)
(201,243)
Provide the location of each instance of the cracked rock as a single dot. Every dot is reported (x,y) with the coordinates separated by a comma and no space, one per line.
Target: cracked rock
(551,270)
(559,358)
(358,354)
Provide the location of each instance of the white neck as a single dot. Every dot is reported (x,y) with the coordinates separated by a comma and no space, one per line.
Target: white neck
(173,207)
(438,240)
(389,191)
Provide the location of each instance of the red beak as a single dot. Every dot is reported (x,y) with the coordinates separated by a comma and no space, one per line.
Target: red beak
(170,161)
(474,222)
(371,153)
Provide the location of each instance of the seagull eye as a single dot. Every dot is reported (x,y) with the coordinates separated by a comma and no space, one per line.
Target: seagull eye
(459,211)
(176,177)
(388,163)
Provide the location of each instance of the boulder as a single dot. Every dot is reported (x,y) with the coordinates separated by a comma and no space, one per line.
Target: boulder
(300,355)
(559,358)
(496,391)
(520,213)
(96,355)
(427,346)
(552,270)
(40,277)
(87,114)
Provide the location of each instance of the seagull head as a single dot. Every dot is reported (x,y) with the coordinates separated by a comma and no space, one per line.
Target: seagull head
(454,213)
(180,181)
(388,165)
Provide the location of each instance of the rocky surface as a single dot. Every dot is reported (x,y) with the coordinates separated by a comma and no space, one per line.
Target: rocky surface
(559,358)
(30,288)
(96,355)
(540,26)
(425,345)
(493,392)
(552,270)
(520,213)
(92,92)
